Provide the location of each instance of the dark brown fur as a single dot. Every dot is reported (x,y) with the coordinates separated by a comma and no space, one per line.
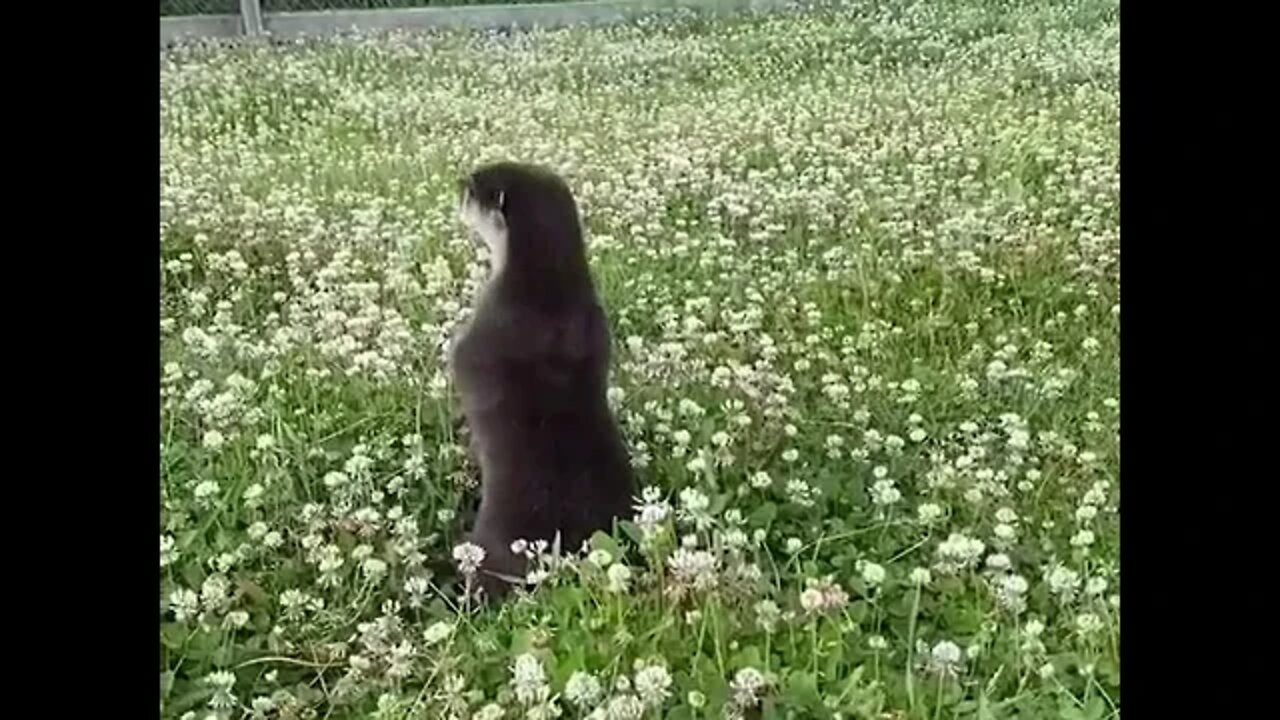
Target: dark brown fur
(532,372)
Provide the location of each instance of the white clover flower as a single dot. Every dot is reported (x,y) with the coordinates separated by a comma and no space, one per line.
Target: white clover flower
(1011,591)
(583,689)
(945,658)
(624,707)
(528,678)
(652,511)
(746,687)
(822,595)
(928,513)
(222,681)
(185,604)
(695,568)
(800,493)
(619,577)
(437,632)
(958,551)
(1095,586)
(884,492)
(1063,581)
(693,507)
(812,600)
(168,551)
(468,556)
(653,685)
(1083,539)
(373,568)
(873,574)
(206,489)
(767,615)
(1088,623)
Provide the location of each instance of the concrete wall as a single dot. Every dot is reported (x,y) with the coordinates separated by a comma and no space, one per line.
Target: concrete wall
(185,26)
(328,22)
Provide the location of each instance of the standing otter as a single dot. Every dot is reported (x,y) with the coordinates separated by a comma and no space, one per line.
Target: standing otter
(531,367)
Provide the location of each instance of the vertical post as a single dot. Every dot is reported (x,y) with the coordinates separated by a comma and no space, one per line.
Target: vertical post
(251,17)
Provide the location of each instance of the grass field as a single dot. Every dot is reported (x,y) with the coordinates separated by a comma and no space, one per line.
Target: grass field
(863,272)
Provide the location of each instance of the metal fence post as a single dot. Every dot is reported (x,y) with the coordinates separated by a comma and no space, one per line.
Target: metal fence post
(251,15)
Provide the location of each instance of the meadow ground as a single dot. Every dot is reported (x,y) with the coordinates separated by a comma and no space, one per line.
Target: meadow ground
(863,270)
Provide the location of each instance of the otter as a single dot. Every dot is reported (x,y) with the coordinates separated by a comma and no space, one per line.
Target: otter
(531,370)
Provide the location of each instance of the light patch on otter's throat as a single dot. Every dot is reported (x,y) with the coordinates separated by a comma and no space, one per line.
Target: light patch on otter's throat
(490,227)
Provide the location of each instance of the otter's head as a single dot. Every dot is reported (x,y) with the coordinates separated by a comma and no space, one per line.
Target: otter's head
(526,216)
(482,209)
